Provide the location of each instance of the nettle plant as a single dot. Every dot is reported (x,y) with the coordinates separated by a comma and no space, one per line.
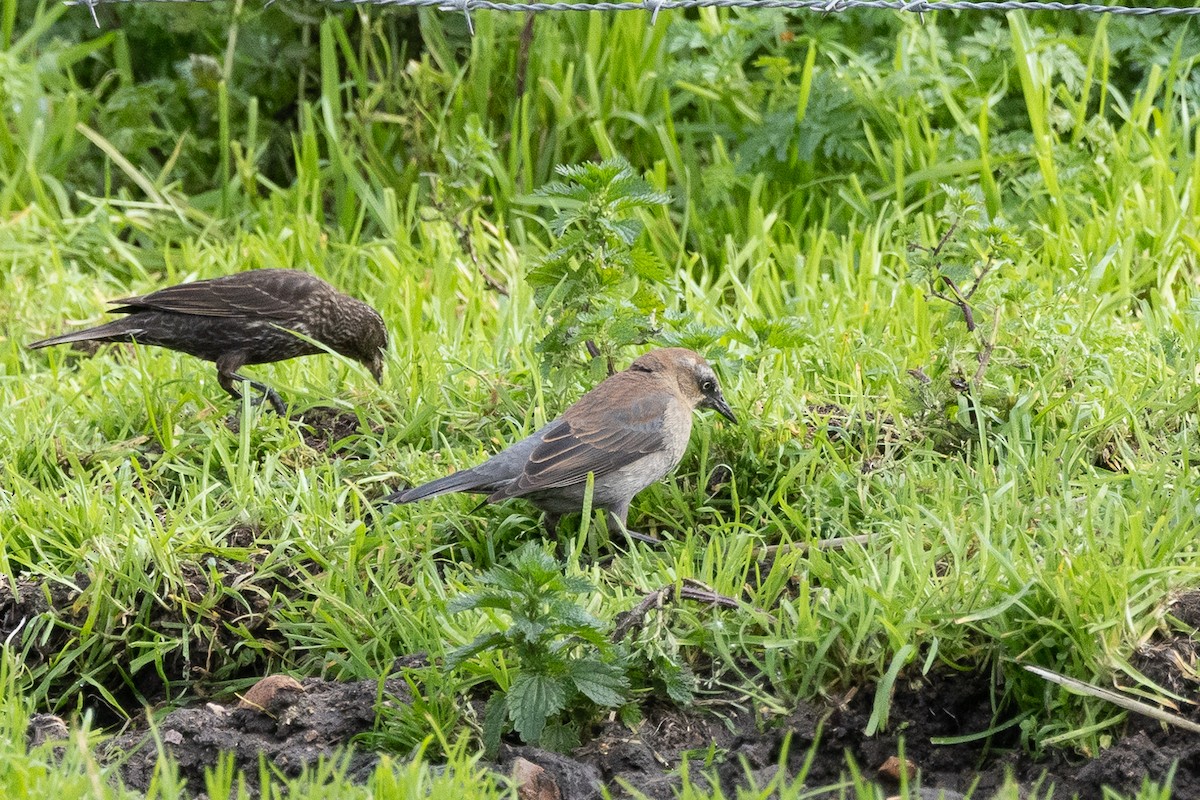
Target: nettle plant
(970,271)
(597,287)
(563,662)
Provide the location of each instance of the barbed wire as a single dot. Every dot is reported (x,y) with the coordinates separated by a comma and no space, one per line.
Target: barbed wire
(466,7)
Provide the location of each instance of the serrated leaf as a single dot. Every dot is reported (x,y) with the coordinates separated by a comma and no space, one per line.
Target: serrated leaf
(531,699)
(578,585)
(488,599)
(679,682)
(485,641)
(649,266)
(533,566)
(554,189)
(648,302)
(560,738)
(603,684)
(530,630)
(463,602)
(627,229)
(572,614)
(495,719)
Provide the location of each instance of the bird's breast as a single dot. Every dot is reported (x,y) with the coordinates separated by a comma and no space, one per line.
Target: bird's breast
(677,430)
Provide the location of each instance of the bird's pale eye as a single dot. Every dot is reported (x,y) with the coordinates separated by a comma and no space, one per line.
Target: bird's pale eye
(707,386)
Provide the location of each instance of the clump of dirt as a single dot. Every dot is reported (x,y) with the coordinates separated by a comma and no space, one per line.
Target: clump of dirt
(1186,609)
(745,753)
(330,430)
(242,537)
(649,756)
(291,730)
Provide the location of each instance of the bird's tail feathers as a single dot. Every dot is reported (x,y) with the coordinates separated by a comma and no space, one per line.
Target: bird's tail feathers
(464,481)
(119,329)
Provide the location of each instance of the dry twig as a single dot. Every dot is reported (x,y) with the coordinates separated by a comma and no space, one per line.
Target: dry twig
(687,590)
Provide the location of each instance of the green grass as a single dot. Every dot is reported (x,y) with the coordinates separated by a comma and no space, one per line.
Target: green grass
(804,171)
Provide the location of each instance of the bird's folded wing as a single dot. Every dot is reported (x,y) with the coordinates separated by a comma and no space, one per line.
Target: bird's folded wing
(257,293)
(599,442)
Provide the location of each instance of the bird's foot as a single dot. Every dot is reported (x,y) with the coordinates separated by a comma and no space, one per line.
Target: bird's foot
(617,521)
(230,380)
(265,393)
(272,397)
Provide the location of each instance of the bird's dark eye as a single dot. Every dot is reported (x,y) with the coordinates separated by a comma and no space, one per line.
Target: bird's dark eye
(707,386)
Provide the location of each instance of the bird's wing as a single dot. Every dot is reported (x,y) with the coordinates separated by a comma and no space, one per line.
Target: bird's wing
(264,293)
(600,441)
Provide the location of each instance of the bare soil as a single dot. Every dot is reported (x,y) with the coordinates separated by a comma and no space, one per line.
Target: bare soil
(295,727)
(331,430)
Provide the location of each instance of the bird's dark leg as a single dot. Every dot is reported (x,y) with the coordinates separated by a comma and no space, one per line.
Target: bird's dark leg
(268,394)
(228,377)
(551,523)
(617,517)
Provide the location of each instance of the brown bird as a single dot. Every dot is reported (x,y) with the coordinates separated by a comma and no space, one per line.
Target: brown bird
(627,432)
(246,318)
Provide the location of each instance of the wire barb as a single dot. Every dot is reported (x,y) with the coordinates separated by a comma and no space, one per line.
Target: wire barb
(455,5)
(918,6)
(653,6)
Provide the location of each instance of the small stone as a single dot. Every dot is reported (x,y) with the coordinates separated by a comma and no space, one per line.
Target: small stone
(896,770)
(260,695)
(533,782)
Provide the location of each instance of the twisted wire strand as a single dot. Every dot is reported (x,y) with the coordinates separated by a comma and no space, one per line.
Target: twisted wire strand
(824,6)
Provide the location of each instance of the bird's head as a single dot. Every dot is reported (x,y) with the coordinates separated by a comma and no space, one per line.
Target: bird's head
(366,340)
(694,377)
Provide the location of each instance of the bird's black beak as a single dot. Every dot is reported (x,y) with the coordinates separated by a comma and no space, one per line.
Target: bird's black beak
(376,367)
(717,403)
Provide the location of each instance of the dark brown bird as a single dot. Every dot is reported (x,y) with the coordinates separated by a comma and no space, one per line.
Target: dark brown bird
(247,318)
(627,432)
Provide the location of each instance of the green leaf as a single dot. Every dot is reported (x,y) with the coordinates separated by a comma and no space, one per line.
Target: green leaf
(560,738)
(573,615)
(530,630)
(678,680)
(649,266)
(531,699)
(575,584)
(627,229)
(485,599)
(484,641)
(494,722)
(603,684)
